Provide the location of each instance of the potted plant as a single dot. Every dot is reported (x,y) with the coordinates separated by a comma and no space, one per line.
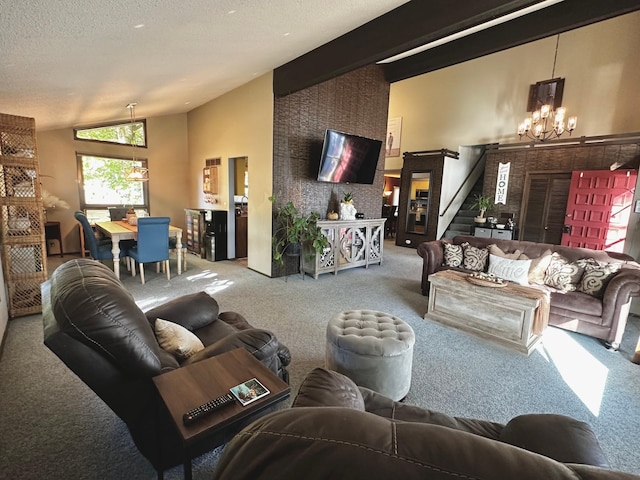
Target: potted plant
(294,230)
(483,204)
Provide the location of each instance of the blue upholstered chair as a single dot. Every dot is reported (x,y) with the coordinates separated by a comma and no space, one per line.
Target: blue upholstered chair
(101,249)
(97,250)
(153,244)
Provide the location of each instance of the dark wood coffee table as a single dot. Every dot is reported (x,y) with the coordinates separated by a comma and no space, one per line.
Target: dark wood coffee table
(190,386)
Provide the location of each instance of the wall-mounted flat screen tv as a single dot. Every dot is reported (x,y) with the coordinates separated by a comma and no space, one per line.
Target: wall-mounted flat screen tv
(348,158)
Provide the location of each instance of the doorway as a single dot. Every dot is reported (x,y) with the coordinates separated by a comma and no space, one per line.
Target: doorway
(239,206)
(544,199)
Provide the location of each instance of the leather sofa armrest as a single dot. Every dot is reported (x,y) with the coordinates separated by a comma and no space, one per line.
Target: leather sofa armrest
(262,344)
(192,311)
(562,438)
(240,323)
(385,407)
(616,302)
(432,254)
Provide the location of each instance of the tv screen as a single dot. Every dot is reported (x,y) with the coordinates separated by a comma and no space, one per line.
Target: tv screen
(348,158)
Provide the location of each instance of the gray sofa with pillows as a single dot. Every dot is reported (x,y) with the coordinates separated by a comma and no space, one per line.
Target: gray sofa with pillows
(590,290)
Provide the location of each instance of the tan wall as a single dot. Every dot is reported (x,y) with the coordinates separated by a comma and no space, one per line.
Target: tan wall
(168,173)
(238,124)
(483,100)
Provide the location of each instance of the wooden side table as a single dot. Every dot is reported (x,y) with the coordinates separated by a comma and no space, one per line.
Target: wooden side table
(52,232)
(193,385)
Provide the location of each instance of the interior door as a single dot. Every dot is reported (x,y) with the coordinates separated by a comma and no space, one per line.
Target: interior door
(542,220)
(598,209)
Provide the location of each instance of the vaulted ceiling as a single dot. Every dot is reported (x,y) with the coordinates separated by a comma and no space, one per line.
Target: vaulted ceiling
(79,62)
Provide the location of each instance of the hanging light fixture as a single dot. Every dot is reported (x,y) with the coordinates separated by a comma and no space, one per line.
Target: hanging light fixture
(137,173)
(547,123)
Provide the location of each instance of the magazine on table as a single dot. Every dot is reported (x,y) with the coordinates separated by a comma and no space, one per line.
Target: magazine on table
(249,391)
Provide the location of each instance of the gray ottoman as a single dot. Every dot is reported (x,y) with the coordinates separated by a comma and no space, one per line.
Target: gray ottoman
(372,348)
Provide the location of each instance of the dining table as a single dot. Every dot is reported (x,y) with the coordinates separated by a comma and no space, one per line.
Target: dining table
(123,230)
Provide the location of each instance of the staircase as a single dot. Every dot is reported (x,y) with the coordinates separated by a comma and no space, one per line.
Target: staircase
(462,223)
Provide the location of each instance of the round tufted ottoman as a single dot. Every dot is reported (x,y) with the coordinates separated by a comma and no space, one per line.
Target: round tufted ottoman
(372,348)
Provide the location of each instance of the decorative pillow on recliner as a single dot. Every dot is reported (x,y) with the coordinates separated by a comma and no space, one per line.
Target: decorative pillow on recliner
(596,277)
(474,258)
(452,254)
(514,270)
(176,339)
(563,274)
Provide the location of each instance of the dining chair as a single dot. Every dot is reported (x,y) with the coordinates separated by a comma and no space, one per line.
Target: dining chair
(97,249)
(101,249)
(117,213)
(153,244)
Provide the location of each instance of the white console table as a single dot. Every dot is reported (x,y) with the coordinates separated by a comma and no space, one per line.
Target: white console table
(352,243)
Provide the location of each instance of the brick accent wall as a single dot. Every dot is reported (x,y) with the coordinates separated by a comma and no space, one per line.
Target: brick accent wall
(558,159)
(357,103)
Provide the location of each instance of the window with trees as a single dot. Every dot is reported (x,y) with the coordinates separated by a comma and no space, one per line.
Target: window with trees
(130,133)
(103,183)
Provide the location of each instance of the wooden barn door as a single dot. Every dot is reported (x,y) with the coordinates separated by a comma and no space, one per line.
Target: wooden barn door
(599,208)
(545,197)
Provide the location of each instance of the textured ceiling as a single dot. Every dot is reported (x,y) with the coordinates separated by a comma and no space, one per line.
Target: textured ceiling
(79,62)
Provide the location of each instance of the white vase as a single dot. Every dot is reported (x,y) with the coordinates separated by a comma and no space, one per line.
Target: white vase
(347,211)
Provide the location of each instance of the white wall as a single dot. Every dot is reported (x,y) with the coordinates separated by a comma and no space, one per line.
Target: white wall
(238,124)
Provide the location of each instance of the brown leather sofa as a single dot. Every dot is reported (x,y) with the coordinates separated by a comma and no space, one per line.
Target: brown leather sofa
(604,318)
(365,436)
(92,323)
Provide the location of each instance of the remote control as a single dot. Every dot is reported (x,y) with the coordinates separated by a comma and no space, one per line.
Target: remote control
(207,408)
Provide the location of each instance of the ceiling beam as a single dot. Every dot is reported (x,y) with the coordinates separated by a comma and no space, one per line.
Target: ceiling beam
(408,26)
(417,23)
(562,17)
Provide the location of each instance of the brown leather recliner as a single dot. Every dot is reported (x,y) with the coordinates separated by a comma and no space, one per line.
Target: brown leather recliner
(365,436)
(92,323)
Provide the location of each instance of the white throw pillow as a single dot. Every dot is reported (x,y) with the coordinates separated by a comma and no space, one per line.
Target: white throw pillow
(176,339)
(514,270)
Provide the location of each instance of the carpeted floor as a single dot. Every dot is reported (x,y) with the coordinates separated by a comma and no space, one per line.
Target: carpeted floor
(52,426)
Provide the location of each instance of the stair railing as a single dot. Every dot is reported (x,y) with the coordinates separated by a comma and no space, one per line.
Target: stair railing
(466,180)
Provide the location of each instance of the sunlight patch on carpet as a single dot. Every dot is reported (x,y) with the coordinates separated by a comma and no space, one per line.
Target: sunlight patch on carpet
(580,370)
(202,275)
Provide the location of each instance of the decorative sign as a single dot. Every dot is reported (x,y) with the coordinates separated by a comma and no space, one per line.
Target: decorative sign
(502,184)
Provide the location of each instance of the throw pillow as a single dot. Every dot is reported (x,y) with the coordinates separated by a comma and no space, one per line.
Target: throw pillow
(563,274)
(538,267)
(514,270)
(176,339)
(452,254)
(497,251)
(474,258)
(596,277)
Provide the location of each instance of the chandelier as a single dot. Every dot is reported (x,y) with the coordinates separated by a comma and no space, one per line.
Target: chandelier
(547,123)
(136,173)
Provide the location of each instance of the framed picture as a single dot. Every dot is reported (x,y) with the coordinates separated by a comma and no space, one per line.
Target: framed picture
(392,141)
(546,92)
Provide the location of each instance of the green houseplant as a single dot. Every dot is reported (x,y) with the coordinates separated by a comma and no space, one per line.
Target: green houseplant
(294,230)
(483,204)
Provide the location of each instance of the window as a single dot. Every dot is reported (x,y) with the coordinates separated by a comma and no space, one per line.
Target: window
(119,133)
(103,183)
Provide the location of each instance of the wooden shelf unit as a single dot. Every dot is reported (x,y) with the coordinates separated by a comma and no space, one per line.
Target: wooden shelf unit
(21,215)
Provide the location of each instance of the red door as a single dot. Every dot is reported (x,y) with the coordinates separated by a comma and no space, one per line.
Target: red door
(599,208)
